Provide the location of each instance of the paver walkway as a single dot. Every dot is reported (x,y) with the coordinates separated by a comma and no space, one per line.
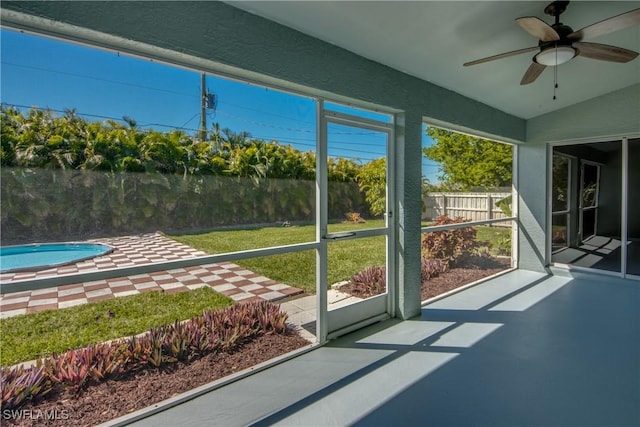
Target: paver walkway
(226,278)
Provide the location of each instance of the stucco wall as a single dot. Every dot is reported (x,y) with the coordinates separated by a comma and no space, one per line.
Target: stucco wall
(532,207)
(617,113)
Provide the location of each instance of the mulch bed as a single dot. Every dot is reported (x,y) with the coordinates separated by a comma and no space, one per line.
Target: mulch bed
(460,276)
(112,399)
(455,277)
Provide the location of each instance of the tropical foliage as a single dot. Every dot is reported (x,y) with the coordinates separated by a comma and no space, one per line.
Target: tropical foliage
(41,139)
(372,178)
(467,162)
(65,177)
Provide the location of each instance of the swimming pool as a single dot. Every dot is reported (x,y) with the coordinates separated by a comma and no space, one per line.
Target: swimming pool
(40,256)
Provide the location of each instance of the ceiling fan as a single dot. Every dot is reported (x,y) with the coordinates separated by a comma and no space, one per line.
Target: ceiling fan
(558,43)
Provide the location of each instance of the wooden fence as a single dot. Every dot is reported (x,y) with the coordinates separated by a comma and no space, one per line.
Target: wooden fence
(471,206)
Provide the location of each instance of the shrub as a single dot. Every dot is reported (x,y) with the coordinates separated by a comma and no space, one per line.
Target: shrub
(431,267)
(19,385)
(354,217)
(138,351)
(196,337)
(109,361)
(503,246)
(175,341)
(372,179)
(71,369)
(370,281)
(505,205)
(74,369)
(270,318)
(152,344)
(448,245)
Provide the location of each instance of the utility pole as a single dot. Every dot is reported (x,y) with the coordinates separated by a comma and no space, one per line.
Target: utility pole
(203,107)
(208,101)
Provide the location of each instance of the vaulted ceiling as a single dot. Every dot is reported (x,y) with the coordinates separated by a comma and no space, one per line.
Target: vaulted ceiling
(432,39)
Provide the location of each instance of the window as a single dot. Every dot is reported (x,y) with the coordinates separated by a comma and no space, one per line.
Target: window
(561,177)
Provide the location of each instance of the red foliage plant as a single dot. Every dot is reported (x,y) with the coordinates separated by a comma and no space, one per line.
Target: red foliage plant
(449,245)
(431,267)
(370,281)
(19,385)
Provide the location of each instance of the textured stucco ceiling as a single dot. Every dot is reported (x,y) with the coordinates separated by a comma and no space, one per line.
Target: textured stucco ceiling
(431,40)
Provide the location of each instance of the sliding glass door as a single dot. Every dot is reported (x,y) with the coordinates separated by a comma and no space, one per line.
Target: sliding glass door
(589,185)
(595,227)
(633,208)
(561,191)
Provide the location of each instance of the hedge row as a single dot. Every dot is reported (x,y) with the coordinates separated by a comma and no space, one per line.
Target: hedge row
(41,205)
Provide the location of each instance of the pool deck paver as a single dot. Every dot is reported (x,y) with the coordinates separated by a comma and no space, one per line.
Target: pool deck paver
(226,278)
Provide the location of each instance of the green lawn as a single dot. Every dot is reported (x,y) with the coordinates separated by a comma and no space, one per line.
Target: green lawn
(39,334)
(231,240)
(298,269)
(493,235)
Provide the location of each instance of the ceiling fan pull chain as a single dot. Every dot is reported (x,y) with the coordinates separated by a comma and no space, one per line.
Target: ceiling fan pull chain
(555,76)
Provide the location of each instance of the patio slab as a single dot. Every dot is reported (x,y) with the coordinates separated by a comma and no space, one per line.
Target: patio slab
(228,278)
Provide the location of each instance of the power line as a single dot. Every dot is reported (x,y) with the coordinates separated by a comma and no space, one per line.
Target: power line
(265,112)
(187,122)
(255,122)
(63,111)
(99,116)
(290,129)
(95,78)
(166,91)
(49,70)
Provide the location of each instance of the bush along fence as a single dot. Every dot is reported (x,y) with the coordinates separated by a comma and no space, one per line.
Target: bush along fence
(41,205)
(214,331)
(471,206)
(441,251)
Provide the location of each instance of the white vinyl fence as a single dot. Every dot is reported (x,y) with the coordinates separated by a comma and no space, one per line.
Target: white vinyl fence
(471,206)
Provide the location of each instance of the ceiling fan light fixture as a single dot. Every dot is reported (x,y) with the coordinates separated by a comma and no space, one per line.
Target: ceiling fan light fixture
(555,55)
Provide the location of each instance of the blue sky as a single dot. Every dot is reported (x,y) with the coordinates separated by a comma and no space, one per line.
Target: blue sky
(37,71)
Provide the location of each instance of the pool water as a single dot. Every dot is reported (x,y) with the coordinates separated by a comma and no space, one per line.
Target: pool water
(46,255)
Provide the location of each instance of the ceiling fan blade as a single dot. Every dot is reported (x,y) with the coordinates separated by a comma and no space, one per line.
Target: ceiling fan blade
(502,55)
(532,73)
(605,52)
(615,23)
(538,28)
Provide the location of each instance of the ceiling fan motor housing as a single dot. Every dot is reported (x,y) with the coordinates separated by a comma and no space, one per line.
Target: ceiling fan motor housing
(566,50)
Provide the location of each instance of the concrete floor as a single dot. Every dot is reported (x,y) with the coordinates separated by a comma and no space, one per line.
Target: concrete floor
(521,349)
